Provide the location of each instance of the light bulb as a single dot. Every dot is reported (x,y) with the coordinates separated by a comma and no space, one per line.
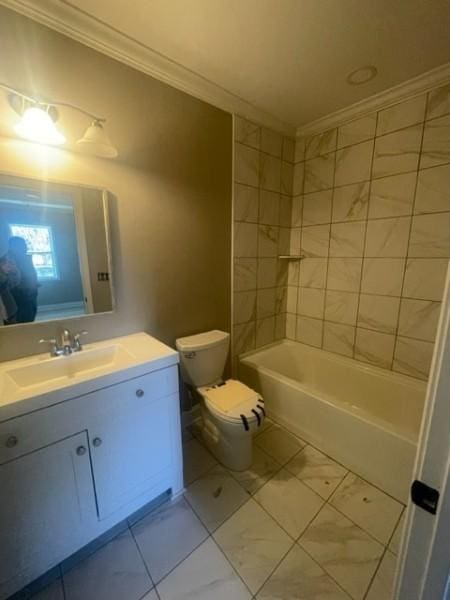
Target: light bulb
(37,125)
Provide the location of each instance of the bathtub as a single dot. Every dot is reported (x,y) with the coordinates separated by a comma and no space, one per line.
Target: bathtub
(366,418)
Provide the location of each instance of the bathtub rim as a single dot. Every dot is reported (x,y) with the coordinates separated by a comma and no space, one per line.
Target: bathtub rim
(404,434)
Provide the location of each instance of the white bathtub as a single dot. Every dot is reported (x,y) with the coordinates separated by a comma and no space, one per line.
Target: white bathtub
(366,418)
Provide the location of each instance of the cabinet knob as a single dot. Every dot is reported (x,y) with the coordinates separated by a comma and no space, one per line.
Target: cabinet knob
(12,441)
(97,442)
(139,393)
(81,450)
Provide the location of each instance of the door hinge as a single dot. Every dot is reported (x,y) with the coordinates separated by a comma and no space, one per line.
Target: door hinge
(424,496)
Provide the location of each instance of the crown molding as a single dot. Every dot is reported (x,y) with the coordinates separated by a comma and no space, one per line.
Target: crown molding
(82,27)
(408,89)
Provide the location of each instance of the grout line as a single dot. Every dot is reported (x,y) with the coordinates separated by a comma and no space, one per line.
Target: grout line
(143,561)
(408,244)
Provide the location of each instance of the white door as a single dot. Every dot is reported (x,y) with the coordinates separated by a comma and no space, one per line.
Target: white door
(424,566)
(47,505)
(131,442)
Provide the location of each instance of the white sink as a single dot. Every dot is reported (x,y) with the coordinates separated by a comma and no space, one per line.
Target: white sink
(68,367)
(39,381)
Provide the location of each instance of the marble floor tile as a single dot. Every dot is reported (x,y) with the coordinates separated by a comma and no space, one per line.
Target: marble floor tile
(279,443)
(298,577)
(369,507)
(114,572)
(317,471)
(394,544)
(52,592)
(204,575)
(343,549)
(197,460)
(215,496)
(263,468)
(152,595)
(291,503)
(268,423)
(382,585)
(177,531)
(253,543)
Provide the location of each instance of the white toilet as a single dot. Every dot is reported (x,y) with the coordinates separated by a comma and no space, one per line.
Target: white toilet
(231,411)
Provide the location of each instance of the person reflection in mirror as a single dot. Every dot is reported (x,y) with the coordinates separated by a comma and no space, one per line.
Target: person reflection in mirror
(22,284)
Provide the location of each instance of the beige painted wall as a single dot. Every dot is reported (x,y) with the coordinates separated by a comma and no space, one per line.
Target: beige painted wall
(171,219)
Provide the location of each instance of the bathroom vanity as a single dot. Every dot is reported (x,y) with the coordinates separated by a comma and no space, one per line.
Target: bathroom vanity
(85,441)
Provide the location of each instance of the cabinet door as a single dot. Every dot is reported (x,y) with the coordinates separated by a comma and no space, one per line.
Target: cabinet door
(132,442)
(47,505)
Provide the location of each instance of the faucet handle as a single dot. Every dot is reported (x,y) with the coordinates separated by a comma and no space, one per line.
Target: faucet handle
(49,341)
(77,340)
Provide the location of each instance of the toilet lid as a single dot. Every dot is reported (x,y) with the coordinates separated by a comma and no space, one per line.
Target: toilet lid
(232,400)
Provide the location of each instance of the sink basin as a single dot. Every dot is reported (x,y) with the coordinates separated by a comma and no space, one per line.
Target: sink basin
(38,381)
(69,367)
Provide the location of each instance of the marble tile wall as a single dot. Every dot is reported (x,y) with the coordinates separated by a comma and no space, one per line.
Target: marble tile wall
(263,177)
(371,215)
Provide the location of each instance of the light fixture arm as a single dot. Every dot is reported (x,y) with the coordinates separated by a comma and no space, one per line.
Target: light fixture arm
(37,101)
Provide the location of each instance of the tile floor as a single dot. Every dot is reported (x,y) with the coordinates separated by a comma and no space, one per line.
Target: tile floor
(297,525)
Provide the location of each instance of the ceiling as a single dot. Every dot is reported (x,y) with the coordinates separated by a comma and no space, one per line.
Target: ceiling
(288,58)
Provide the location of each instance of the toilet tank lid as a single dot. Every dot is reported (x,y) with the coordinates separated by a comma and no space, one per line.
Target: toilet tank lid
(201,341)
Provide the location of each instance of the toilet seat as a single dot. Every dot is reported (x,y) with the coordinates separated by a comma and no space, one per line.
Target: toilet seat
(234,402)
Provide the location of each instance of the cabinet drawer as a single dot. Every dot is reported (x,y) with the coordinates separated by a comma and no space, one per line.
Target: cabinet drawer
(38,429)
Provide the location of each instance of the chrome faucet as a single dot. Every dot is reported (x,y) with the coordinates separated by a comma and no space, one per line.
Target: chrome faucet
(67,344)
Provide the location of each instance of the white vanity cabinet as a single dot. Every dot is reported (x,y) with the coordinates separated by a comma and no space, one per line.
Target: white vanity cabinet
(47,503)
(72,470)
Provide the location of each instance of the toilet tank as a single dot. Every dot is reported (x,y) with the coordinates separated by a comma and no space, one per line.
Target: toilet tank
(203,356)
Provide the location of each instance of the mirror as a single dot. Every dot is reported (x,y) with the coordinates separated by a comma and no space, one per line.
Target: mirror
(54,251)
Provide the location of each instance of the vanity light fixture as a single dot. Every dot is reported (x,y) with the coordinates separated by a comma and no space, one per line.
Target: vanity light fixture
(38,124)
(362,75)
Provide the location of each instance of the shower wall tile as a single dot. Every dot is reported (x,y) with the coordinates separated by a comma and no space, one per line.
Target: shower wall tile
(271,142)
(387,238)
(402,115)
(433,190)
(315,240)
(244,307)
(379,313)
(246,200)
(413,357)
(419,319)
(247,133)
(313,272)
(310,302)
(339,338)
(344,274)
(347,239)
(317,208)
(368,206)
(383,276)
(309,331)
(430,236)
(245,239)
(353,163)
(392,196)
(438,102)
(357,131)
(320,144)
(244,336)
(374,347)
(397,152)
(319,173)
(270,172)
(246,165)
(435,147)
(341,307)
(350,202)
(425,278)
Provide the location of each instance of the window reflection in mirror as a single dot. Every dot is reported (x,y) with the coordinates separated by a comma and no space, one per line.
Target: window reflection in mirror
(54,251)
